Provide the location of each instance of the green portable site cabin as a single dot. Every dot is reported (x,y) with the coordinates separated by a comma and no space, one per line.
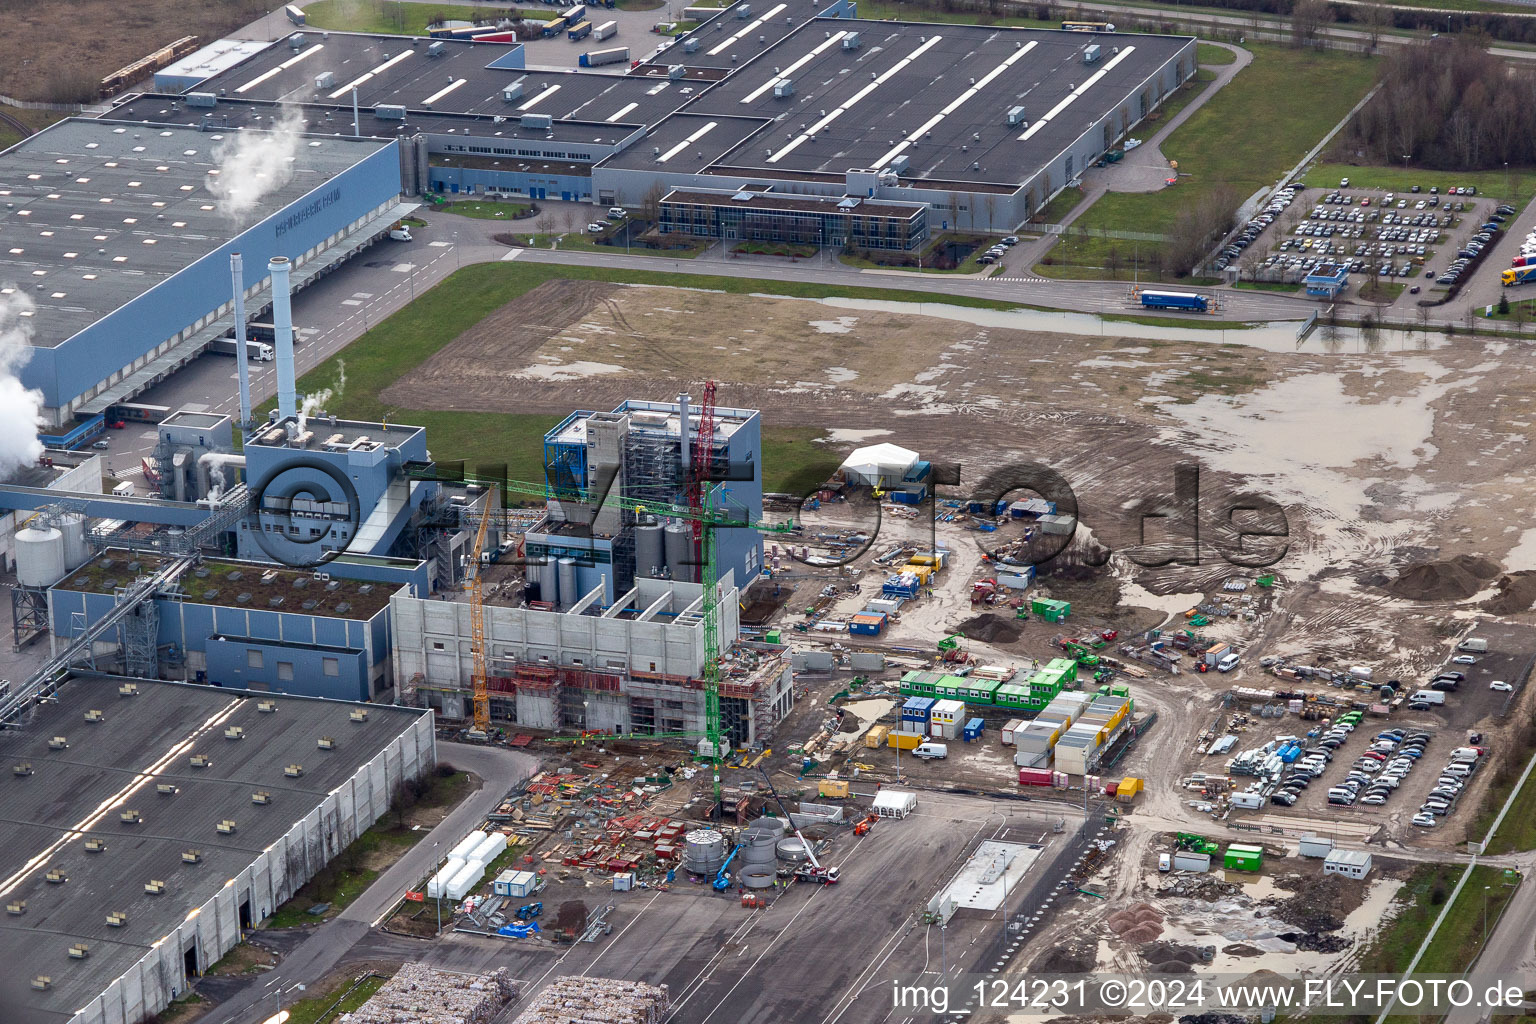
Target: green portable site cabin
(951,687)
(919,684)
(979,691)
(1016,696)
(1243,858)
(1049,610)
(1043,688)
(1064,668)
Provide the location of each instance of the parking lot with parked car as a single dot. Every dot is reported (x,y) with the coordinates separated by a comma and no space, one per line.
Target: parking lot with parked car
(1428,234)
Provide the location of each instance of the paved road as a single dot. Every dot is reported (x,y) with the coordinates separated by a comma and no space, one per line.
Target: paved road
(315,957)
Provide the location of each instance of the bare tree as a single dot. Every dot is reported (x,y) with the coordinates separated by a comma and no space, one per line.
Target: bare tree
(650,203)
(1307,20)
(1112,261)
(1375,17)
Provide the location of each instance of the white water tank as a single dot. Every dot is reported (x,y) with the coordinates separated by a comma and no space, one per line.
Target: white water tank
(703,851)
(76,550)
(39,556)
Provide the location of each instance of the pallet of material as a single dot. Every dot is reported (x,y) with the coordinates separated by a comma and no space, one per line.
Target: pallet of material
(419,994)
(585,1000)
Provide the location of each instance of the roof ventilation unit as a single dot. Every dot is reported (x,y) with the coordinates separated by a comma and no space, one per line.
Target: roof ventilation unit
(358,715)
(23,769)
(234,732)
(1015,116)
(130,817)
(58,743)
(191,856)
(900,164)
(200,761)
(783,89)
(79,951)
(154,886)
(16,908)
(266,707)
(296,41)
(226,827)
(536,121)
(42,982)
(512,93)
(389,112)
(325,80)
(326,743)
(436,49)
(95,715)
(293,771)
(95,846)
(128,689)
(56,876)
(690,46)
(202,99)
(261,797)
(166,788)
(676,71)
(117,919)
(743,12)
(851,41)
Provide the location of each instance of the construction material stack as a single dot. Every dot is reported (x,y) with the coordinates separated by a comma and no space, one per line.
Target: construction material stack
(579,1000)
(424,995)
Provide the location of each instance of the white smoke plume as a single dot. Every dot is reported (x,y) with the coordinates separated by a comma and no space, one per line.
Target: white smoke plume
(20,407)
(316,402)
(254,162)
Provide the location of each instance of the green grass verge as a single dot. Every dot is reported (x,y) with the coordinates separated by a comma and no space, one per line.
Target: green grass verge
(411,336)
(1516,186)
(324,1008)
(1381,291)
(577,242)
(1459,939)
(485,211)
(396,18)
(969,265)
(1211,54)
(1267,286)
(885,10)
(1064,203)
(1246,136)
(1193,323)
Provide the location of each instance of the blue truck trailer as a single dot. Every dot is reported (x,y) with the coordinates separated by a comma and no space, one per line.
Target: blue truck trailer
(1175,300)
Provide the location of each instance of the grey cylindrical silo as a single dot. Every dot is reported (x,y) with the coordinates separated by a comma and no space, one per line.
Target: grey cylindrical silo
(650,556)
(567,572)
(679,545)
(549,582)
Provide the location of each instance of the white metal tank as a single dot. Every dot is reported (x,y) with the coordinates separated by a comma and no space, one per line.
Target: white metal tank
(76,550)
(792,850)
(679,545)
(767,824)
(39,556)
(568,595)
(549,582)
(650,558)
(756,876)
(703,851)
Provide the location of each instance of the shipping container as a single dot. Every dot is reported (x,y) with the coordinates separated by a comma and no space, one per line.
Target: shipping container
(1008,730)
(903,740)
(1185,861)
(1035,777)
(876,736)
(1129,787)
(835,789)
(605,30)
(1312,846)
(1240,857)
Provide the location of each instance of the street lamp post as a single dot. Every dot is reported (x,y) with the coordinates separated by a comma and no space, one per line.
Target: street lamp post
(437,868)
(1485,913)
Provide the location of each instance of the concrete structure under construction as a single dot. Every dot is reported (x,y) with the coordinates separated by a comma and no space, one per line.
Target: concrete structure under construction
(148,823)
(630,667)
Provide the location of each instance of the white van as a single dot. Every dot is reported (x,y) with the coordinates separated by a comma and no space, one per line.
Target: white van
(1427,697)
(1228,663)
(1164,862)
(400,234)
(931,750)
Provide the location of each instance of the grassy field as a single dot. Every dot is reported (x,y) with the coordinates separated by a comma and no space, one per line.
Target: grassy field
(1515,186)
(400,18)
(1246,137)
(884,10)
(1210,54)
(1267,286)
(485,211)
(319,1009)
(408,338)
(1458,940)
(578,242)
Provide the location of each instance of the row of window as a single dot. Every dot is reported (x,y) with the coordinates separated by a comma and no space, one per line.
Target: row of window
(539,154)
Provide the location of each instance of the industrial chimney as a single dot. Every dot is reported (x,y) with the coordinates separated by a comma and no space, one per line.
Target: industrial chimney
(237,276)
(282,325)
(682,430)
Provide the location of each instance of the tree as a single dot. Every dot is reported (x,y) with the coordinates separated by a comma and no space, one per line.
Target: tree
(1503,305)
(1307,20)
(1375,17)
(650,203)
(1112,261)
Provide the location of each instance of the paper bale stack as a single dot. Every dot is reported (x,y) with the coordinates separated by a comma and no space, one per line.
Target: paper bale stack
(418,994)
(582,1000)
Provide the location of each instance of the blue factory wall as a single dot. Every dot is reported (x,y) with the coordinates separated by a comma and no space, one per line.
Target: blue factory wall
(185,629)
(568,187)
(337,673)
(74,367)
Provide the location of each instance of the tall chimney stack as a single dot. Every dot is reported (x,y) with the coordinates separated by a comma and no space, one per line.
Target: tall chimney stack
(682,430)
(237,276)
(282,324)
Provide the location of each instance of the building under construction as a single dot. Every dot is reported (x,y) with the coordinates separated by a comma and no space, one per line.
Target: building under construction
(633,666)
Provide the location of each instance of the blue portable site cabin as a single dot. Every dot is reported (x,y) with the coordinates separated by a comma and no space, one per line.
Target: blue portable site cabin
(973,729)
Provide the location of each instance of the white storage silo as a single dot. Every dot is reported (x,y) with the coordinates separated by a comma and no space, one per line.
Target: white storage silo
(758,859)
(76,550)
(792,850)
(39,556)
(703,851)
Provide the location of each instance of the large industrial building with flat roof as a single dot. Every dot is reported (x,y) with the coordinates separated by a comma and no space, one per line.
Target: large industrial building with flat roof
(786,121)
(149,824)
(119,235)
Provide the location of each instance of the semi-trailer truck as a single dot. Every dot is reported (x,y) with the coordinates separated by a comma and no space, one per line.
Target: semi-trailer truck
(606,30)
(294,14)
(1174,300)
(580,32)
(255,350)
(1518,275)
(597,58)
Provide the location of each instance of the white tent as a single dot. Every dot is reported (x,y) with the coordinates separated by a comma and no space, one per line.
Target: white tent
(878,465)
(894,803)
